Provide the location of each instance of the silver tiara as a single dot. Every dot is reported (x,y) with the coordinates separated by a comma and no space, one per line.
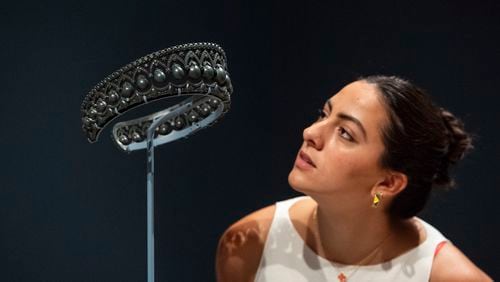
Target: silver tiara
(197,71)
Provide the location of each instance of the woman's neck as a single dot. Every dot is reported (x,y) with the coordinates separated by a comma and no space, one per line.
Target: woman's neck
(361,236)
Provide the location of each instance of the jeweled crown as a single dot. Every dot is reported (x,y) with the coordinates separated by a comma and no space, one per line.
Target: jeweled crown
(198,69)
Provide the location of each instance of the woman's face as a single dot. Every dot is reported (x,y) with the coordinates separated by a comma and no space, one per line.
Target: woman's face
(344,153)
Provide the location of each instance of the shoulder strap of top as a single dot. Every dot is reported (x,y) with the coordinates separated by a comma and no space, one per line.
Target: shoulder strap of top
(282,207)
(435,239)
(438,248)
(277,250)
(281,220)
(432,232)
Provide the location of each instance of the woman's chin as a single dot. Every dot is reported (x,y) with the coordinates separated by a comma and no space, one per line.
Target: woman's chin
(297,182)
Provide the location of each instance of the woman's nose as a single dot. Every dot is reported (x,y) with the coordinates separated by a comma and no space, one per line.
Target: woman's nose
(312,135)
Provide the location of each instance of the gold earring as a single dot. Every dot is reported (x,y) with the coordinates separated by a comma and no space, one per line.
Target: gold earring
(376,199)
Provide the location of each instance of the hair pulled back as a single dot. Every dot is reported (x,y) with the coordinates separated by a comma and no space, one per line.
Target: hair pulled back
(421,140)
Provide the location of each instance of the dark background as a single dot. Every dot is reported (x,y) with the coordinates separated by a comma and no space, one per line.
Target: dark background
(71,211)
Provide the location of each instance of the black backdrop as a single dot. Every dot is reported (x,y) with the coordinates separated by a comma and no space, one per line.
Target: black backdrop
(71,211)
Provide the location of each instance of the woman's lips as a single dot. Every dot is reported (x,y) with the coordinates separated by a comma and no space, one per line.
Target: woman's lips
(303,161)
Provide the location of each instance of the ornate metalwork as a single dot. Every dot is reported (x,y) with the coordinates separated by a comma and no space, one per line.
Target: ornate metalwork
(195,69)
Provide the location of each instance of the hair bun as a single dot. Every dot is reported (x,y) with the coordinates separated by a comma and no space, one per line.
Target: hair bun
(459,143)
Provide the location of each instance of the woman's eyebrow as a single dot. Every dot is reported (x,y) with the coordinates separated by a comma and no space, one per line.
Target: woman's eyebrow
(348,117)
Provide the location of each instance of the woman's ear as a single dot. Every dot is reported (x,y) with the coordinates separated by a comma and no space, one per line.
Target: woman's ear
(392,184)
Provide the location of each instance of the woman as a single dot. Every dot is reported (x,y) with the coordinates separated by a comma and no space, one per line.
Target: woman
(366,166)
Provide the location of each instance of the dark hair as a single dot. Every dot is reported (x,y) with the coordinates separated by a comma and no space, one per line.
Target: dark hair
(421,140)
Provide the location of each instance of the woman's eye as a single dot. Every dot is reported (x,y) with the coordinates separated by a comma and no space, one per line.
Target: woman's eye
(349,138)
(344,133)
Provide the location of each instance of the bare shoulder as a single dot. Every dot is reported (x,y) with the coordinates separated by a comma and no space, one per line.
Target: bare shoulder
(451,265)
(240,247)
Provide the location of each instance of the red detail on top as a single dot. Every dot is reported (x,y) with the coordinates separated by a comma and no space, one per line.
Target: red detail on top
(438,248)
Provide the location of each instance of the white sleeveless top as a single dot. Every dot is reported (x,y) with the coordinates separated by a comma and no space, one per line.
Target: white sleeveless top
(287,258)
